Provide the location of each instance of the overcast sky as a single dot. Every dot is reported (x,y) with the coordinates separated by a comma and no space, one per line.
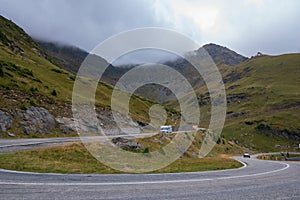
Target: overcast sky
(246,26)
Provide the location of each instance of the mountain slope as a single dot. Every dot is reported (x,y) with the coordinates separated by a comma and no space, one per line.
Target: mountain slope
(25,65)
(35,94)
(223,55)
(268,93)
(263,102)
(262,94)
(71,57)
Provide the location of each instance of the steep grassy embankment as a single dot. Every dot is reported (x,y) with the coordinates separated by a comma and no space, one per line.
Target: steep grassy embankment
(29,78)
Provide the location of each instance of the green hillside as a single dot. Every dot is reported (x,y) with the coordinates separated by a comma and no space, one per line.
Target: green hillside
(26,67)
(263,98)
(263,102)
(29,79)
(263,95)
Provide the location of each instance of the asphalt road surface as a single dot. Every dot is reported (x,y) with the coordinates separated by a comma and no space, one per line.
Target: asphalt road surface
(10,145)
(257,180)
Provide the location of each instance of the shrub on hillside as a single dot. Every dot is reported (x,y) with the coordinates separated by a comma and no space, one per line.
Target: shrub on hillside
(1,71)
(54,93)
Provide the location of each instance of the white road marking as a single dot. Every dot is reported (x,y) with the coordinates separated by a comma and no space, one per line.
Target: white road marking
(142,182)
(122,183)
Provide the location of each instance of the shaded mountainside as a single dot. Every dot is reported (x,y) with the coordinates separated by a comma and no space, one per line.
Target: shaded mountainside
(35,93)
(71,57)
(223,55)
(66,56)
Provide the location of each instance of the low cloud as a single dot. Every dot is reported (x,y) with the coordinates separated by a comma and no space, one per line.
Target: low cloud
(246,26)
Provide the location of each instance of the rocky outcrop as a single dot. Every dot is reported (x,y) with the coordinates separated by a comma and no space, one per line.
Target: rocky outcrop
(235,114)
(237,98)
(267,129)
(127,144)
(37,120)
(66,125)
(34,120)
(6,121)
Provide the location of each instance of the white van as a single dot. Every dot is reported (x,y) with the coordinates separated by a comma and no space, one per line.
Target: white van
(166,129)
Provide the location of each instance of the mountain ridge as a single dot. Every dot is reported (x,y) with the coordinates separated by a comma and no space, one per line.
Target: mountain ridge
(223,55)
(63,55)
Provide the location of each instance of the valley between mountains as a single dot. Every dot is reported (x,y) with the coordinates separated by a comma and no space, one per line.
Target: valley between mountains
(37,77)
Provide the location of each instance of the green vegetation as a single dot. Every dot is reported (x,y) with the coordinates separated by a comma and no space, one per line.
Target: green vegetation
(57,70)
(263,93)
(1,71)
(160,140)
(33,89)
(201,164)
(54,93)
(75,158)
(263,103)
(270,102)
(279,157)
(23,107)
(27,73)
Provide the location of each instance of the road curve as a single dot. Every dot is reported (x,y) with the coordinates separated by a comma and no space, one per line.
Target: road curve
(10,145)
(257,180)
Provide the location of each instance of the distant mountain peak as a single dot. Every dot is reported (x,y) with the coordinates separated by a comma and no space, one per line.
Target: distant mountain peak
(223,55)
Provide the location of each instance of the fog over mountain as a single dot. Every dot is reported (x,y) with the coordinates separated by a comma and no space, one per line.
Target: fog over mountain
(246,26)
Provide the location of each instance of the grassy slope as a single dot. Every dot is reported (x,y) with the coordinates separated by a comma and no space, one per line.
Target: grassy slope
(19,89)
(51,76)
(75,158)
(266,90)
(272,87)
(158,141)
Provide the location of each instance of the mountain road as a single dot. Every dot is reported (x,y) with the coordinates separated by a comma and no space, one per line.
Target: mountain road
(257,179)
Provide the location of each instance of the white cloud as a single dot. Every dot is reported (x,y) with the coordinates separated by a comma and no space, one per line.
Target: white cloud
(203,15)
(246,26)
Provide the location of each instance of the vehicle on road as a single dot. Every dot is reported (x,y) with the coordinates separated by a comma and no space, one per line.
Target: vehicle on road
(246,155)
(166,129)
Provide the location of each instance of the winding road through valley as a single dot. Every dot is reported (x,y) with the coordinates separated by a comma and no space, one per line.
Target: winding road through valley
(258,179)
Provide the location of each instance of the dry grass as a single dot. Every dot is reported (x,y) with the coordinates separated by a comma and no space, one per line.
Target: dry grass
(74,158)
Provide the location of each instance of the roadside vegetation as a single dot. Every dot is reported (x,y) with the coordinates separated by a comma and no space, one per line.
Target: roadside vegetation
(29,77)
(75,158)
(284,156)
